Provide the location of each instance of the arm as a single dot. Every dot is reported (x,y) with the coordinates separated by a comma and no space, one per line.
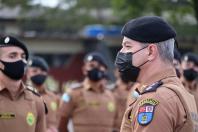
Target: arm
(64,114)
(167,116)
(41,120)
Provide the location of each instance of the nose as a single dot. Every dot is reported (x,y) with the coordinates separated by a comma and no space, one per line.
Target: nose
(122,50)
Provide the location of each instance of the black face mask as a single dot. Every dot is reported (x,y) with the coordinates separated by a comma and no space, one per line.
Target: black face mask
(14,70)
(127,70)
(190,74)
(95,74)
(38,79)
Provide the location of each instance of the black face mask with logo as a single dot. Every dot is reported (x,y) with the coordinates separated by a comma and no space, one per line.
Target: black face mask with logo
(190,74)
(14,70)
(125,66)
(38,79)
(95,74)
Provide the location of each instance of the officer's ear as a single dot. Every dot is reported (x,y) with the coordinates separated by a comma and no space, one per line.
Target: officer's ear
(152,52)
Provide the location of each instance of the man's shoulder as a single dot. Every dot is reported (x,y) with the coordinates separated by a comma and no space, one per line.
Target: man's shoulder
(33,94)
(32,90)
(162,94)
(50,93)
(75,90)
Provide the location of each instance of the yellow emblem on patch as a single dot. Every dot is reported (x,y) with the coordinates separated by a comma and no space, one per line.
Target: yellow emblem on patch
(111,107)
(53,106)
(149,101)
(30,118)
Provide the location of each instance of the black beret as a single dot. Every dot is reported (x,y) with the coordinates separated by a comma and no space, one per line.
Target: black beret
(192,57)
(12,41)
(95,56)
(148,29)
(39,63)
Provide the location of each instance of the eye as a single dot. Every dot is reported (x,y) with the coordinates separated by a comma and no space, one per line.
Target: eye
(12,56)
(127,46)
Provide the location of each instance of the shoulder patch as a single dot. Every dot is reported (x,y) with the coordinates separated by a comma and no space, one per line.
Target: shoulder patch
(33,90)
(66,97)
(146,111)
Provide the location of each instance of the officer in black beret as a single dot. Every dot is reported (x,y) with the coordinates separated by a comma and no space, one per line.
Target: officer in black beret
(21,110)
(37,74)
(190,74)
(93,97)
(160,101)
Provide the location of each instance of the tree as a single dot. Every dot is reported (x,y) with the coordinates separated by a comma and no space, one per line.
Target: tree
(128,9)
(195,6)
(13,3)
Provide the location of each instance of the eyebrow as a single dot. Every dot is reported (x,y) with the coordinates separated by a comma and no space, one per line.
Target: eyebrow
(13,52)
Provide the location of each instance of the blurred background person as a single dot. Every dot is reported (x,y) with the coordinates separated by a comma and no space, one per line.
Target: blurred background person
(91,106)
(21,109)
(189,77)
(37,74)
(121,93)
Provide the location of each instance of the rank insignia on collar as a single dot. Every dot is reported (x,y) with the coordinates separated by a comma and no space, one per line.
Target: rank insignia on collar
(153,87)
(146,111)
(7,115)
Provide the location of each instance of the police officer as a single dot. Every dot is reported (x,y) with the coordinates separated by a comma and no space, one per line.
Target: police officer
(21,110)
(190,74)
(163,104)
(37,73)
(90,106)
(121,92)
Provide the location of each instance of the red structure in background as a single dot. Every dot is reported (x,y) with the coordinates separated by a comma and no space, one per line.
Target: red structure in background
(73,71)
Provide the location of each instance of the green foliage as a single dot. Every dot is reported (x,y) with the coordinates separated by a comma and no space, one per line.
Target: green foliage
(128,9)
(12,3)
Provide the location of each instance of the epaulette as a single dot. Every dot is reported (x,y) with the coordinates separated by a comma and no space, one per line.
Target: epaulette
(153,87)
(33,90)
(76,85)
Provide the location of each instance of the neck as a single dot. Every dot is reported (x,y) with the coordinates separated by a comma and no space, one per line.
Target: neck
(40,88)
(13,86)
(96,86)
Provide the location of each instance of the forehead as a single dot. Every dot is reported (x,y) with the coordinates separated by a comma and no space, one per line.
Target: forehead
(130,41)
(35,69)
(93,62)
(10,49)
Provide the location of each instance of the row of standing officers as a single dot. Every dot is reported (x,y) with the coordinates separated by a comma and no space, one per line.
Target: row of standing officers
(157,99)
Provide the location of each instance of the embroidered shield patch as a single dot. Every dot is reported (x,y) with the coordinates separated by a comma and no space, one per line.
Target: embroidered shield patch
(146,111)
(30,118)
(53,105)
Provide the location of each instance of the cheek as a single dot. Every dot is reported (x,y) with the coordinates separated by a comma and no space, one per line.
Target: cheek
(138,59)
